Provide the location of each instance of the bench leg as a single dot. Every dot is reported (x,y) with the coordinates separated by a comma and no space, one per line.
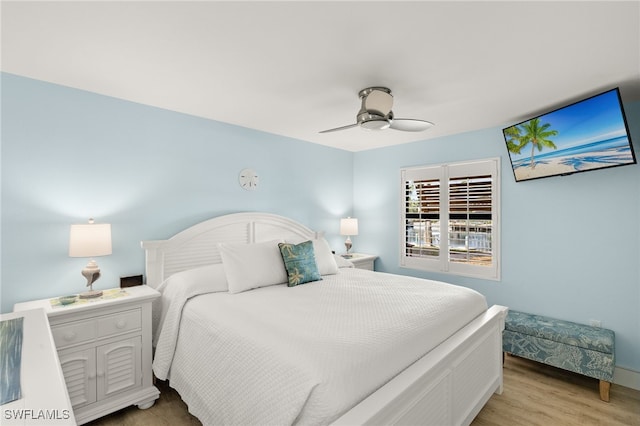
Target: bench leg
(604,390)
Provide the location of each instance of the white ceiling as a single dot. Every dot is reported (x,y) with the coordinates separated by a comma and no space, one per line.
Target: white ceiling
(295,68)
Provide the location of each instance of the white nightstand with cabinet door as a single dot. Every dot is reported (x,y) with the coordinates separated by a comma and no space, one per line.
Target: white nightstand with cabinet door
(104,347)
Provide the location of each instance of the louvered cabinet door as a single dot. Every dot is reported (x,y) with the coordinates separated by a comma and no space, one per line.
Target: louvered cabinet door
(79,370)
(119,367)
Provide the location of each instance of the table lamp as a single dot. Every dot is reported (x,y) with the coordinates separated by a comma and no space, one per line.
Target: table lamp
(90,240)
(348,227)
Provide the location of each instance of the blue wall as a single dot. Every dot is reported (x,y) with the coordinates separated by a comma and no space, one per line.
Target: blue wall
(570,245)
(68,155)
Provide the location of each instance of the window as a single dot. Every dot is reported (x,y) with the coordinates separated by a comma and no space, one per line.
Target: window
(450,218)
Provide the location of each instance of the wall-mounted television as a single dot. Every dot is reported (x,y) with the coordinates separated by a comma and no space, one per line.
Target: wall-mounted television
(590,134)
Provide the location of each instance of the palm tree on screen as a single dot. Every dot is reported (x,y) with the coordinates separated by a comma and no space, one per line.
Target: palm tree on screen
(538,136)
(513,137)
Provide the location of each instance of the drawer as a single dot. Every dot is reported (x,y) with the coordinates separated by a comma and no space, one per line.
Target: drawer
(122,322)
(74,333)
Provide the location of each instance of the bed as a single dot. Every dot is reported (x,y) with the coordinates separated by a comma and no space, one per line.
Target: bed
(352,347)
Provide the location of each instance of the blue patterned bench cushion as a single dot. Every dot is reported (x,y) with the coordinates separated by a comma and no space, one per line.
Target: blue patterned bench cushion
(575,347)
(571,333)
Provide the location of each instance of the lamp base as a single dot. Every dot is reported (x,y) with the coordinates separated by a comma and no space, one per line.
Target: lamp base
(90,294)
(348,245)
(91,272)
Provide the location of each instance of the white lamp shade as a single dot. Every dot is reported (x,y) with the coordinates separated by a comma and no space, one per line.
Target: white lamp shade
(90,240)
(349,226)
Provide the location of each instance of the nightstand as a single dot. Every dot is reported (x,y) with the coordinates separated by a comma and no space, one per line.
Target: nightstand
(363,261)
(104,347)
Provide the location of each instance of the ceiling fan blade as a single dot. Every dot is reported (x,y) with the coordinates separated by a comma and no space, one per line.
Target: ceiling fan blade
(339,128)
(410,125)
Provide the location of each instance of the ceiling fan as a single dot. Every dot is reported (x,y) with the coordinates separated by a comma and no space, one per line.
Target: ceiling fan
(375,113)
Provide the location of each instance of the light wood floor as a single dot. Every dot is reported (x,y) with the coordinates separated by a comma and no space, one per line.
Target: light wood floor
(534,394)
(537,394)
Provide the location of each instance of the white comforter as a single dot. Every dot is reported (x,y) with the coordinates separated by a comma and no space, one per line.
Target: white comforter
(306,354)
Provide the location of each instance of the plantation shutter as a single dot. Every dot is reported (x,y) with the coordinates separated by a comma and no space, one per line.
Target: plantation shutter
(470,205)
(449,218)
(422,223)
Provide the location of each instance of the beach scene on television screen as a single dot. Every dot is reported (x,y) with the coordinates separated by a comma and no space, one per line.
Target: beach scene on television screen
(588,135)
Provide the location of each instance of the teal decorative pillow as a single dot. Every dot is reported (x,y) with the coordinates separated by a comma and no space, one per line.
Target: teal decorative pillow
(300,263)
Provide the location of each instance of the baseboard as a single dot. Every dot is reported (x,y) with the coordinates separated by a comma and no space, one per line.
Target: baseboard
(626,378)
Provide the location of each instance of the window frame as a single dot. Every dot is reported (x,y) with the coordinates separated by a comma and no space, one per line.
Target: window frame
(443,172)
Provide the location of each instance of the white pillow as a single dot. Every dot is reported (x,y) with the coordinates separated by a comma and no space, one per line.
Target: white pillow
(324,257)
(212,276)
(250,266)
(342,262)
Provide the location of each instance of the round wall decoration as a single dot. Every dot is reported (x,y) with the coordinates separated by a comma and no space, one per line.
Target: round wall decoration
(248,179)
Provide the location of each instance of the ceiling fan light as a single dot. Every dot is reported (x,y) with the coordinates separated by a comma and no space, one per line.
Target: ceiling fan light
(378,101)
(375,124)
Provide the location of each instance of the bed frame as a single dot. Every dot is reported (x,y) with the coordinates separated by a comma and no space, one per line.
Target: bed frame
(448,386)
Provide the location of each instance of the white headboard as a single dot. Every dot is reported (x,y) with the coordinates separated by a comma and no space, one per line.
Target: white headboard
(198,245)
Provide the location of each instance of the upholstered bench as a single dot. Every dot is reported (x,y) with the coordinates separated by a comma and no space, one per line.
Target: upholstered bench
(575,347)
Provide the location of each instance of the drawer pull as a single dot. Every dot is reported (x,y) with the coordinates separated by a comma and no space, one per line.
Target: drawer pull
(69,336)
(121,324)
